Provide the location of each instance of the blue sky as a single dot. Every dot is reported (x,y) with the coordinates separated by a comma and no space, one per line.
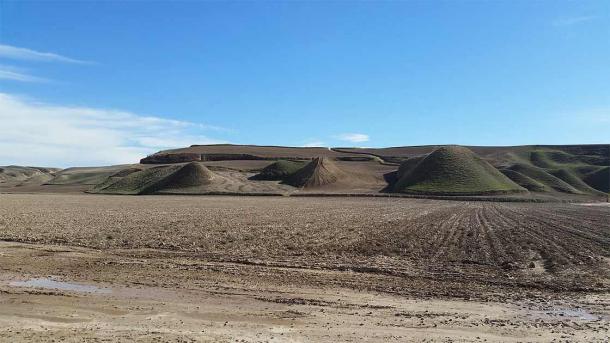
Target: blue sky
(86,83)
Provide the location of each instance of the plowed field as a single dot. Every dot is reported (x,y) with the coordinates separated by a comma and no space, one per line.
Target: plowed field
(299,257)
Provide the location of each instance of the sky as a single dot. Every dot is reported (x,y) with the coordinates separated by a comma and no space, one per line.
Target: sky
(98,83)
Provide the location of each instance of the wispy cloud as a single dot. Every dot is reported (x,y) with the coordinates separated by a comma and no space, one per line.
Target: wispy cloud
(352,137)
(568,21)
(7,73)
(17,53)
(35,133)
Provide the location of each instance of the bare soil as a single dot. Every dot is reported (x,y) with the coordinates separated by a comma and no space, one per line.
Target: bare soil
(180,268)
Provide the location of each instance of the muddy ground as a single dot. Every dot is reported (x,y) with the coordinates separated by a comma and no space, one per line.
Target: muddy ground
(254,269)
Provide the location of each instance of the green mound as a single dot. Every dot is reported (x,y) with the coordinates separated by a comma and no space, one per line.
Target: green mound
(454,170)
(151,180)
(599,180)
(524,181)
(279,170)
(142,182)
(542,176)
(192,174)
(319,172)
(574,181)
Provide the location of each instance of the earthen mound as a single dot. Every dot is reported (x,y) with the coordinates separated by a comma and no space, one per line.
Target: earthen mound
(454,170)
(192,174)
(319,172)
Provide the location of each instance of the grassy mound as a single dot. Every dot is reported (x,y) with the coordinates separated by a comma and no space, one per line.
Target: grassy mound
(524,181)
(599,179)
(142,182)
(190,175)
(542,176)
(155,179)
(319,172)
(454,170)
(279,170)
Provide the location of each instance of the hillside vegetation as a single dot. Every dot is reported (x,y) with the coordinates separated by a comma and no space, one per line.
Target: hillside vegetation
(560,172)
(454,170)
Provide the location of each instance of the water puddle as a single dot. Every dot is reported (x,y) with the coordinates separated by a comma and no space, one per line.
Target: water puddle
(51,283)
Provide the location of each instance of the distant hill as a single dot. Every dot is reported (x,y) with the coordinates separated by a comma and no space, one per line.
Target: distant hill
(566,172)
(565,169)
(21,177)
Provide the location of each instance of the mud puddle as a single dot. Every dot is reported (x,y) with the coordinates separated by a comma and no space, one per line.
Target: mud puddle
(53,283)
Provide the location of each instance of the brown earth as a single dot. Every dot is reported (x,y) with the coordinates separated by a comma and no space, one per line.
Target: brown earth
(219,152)
(175,268)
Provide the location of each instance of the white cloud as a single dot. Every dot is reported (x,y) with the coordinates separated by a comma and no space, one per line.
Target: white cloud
(13,52)
(33,133)
(352,137)
(567,21)
(7,74)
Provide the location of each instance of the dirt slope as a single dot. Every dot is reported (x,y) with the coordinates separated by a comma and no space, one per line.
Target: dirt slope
(319,172)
